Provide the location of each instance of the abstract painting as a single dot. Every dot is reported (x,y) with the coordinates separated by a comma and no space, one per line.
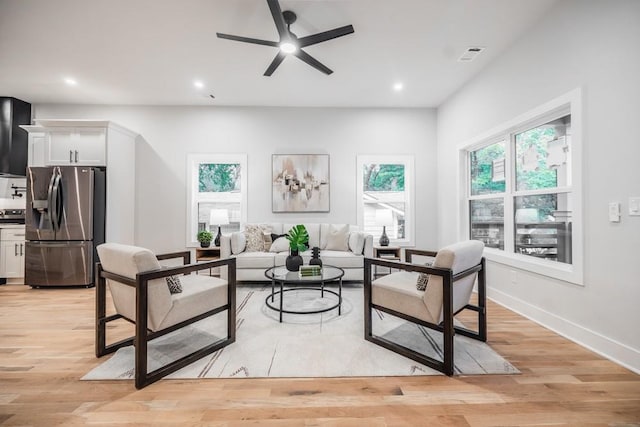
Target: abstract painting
(300,183)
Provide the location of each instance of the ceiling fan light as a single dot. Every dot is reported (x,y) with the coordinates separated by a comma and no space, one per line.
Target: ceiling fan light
(288,47)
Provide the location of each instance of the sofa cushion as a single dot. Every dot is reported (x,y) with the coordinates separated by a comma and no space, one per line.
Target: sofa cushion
(398,292)
(281,244)
(255,260)
(356,242)
(238,242)
(255,238)
(200,294)
(338,237)
(342,259)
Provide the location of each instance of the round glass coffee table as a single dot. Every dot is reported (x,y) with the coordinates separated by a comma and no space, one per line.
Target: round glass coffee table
(293,282)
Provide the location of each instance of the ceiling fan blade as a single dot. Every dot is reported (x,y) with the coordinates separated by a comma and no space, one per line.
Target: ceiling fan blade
(325,35)
(304,56)
(275,63)
(247,40)
(276,12)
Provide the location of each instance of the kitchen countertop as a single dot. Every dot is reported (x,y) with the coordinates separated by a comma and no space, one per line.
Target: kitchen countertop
(11,226)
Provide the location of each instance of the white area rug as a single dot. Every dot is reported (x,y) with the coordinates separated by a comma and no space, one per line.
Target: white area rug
(311,345)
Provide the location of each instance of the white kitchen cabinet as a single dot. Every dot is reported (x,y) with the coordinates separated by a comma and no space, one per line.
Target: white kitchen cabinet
(12,252)
(84,146)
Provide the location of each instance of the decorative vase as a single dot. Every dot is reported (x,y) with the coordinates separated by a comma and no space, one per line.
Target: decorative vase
(315,256)
(205,244)
(293,261)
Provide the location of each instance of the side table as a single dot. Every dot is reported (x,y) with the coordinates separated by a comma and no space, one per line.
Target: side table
(211,253)
(390,253)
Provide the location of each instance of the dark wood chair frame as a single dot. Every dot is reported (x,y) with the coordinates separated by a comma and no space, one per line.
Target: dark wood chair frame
(143,335)
(446,326)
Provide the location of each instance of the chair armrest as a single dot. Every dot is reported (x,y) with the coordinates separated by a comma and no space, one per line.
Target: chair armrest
(400,265)
(368,246)
(408,253)
(225,246)
(186,269)
(185,255)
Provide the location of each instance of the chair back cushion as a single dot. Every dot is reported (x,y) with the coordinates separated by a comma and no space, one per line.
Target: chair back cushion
(458,257)
(128,261)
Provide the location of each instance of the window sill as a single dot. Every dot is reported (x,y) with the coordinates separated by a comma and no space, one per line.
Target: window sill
(565,272)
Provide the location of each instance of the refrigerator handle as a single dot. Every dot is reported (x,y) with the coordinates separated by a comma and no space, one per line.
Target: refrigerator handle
(50,209)
(57,202)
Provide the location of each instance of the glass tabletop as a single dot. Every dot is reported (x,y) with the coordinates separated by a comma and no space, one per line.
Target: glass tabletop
(281,274)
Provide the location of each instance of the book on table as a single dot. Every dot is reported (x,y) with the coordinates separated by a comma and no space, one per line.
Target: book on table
(310,270)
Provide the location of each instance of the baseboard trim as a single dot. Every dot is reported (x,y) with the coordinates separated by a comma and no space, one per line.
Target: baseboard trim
(615,351)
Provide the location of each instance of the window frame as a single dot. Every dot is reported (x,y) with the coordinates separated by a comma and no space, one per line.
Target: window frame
(409,186)
(567,104)
(193,198)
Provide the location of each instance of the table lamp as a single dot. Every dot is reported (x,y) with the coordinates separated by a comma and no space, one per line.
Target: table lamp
(219,217)
(384,217)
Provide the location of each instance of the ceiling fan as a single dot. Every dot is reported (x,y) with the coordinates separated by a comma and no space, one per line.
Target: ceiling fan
(289,43)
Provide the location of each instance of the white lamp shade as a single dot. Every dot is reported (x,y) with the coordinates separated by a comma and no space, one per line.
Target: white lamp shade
(384,217)
(219,217)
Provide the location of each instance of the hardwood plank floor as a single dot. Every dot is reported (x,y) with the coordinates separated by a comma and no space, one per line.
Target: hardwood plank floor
(46,345)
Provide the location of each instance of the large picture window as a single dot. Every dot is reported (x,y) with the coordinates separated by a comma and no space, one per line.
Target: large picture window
(523,191)
(385,185)
(217,193)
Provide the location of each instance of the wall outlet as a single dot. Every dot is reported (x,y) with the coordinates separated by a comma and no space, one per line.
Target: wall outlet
(634,206)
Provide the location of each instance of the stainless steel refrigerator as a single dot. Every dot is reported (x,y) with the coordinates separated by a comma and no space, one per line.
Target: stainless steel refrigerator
(65,221)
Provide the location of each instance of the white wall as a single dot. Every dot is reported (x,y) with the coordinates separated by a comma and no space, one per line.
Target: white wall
(170,133)
(592,45)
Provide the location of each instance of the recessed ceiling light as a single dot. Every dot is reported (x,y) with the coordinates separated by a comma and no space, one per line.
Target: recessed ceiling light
(398,87)
(70,82)
(198,84)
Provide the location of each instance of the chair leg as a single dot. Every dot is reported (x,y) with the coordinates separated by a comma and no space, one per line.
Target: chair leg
(101,311)
(448,333)
(482,303)
(141,335)
(367,300)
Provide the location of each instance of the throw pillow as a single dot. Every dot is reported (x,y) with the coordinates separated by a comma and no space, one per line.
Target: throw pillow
(423,279)
(356,242)
(238,242)
(338,238)
(255,241)
(173,282)
(281,244)
(267,241)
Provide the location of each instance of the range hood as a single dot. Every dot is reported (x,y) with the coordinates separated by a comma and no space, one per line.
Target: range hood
(13,139)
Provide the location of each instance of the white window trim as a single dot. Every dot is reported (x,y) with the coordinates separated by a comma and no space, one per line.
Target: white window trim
(409,189)
(574,273)
(193,160)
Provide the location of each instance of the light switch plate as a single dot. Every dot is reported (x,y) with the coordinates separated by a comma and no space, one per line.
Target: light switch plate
(634,206)
(614,212)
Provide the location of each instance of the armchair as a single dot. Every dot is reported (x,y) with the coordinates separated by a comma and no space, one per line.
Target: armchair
(138,287)
(448,292)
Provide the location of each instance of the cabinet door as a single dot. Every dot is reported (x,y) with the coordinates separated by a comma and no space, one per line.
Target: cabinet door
(91,146)
(36,149)
(12,264)
(60,147)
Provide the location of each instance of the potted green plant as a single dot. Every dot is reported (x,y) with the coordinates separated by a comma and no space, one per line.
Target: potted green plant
(204,237)
(298,238)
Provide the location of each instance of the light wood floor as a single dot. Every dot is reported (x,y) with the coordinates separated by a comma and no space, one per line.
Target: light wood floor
(46,345)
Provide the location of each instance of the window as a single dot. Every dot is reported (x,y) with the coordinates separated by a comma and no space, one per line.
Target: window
(217,191)
(385,189)
(523,191)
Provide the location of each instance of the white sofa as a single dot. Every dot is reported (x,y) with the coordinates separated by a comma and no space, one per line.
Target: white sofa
(252,265)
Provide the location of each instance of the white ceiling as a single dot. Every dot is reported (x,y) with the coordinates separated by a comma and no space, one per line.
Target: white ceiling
(149,52)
